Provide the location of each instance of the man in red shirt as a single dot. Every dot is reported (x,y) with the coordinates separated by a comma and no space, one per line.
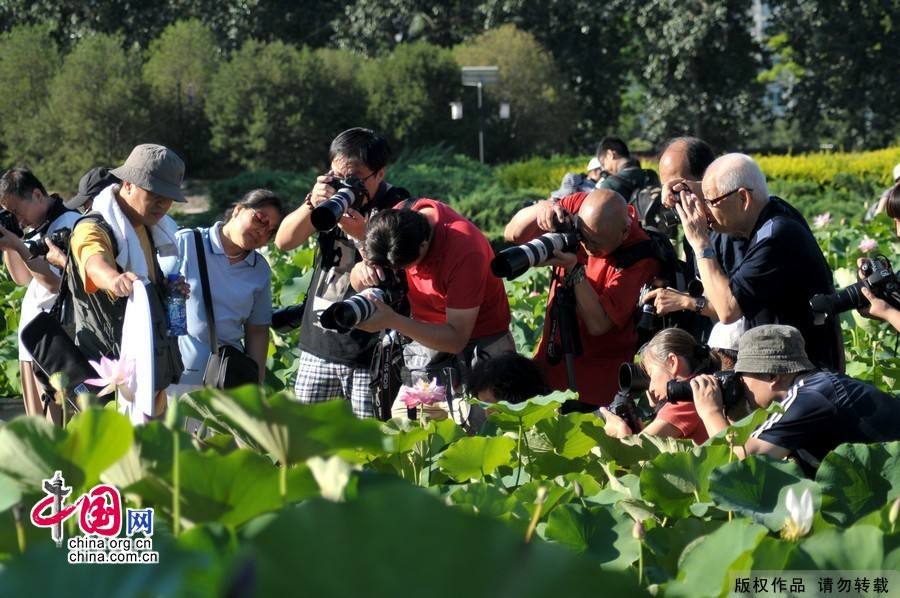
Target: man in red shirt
(457,306)
(605,294)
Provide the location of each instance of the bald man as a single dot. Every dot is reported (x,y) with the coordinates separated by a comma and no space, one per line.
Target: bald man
(782,267)
(605,293)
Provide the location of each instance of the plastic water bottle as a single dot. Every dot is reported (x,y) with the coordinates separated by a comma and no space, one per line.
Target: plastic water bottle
(176,308)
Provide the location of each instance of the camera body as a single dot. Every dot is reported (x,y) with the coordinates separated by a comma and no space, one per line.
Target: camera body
(633,380)
(348,194)
(515,261)
(679,391)
(876,275)
(10,222)
(344,316)
(60,238)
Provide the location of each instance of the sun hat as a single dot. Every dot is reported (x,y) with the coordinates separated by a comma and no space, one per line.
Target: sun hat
(154,168)
(594,164)
(727,336)
(772,349)
(91,184)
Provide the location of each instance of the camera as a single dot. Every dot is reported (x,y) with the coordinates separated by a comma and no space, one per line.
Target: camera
(348,194)
(679,391)
(515,261)
(647,321)
(288,318)
(633,380)
(60,238)
(10,223)
(344,316)
(876,275)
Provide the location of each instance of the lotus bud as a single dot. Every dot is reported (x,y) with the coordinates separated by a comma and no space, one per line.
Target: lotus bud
(637,530)
(894,512)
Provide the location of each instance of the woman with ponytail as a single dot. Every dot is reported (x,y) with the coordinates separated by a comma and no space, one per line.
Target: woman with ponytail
(672,354)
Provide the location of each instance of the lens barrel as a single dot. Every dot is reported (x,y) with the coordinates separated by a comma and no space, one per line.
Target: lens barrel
(327,214)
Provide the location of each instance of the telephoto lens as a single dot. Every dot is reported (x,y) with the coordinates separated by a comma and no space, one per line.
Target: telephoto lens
(515,261)
(327,214)
(344,316)
(633,378)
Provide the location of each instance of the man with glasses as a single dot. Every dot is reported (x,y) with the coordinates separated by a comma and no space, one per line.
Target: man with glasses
(335,365)
(605,293)
(782,266)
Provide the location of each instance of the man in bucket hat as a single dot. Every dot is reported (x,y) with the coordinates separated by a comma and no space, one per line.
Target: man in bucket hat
(115,246)
(819,408)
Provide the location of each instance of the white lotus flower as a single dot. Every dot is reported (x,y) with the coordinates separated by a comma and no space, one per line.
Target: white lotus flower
(800,515)
(114,374)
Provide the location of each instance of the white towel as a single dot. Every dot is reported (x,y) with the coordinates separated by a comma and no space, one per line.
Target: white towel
(137,348)
(131,255)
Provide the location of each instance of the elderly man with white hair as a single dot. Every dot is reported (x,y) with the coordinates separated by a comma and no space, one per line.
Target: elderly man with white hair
(782,267)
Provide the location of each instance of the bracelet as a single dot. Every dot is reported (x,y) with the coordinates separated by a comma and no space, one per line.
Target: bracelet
(308,200)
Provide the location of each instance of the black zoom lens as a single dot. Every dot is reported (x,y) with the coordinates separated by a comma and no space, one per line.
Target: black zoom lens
(345,315)
(633,378)
(848,298)
(515,261)
(679,391)
(327,214)
(38,248)
(288,318)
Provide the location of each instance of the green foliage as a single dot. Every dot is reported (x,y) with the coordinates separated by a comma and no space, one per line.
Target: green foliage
(29,59)
(180,64)
(95,110)
(857,479)
(409,91)
(542,114)
(263,109)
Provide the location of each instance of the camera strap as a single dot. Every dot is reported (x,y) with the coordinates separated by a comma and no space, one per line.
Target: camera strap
(207,297)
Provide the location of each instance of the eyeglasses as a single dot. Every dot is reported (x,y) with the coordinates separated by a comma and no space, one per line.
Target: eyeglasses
(361,179)
(712,202)
(260,221)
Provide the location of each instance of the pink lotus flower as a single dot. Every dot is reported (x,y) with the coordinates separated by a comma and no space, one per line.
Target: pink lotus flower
(115,374)
(822,220)
(422,393)
(867,245)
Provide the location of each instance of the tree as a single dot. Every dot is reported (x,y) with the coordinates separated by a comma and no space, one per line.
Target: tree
(700,69)
(840,61)
(269,107)
(96,112)
(28,61)
(409,93)
(543,113)
(180,65)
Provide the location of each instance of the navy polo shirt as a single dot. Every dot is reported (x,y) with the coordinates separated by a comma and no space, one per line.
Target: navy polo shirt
(781,270)
(823,410)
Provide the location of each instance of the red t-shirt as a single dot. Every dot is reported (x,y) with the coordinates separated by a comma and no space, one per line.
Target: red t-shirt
(596,370)
(456,274)
(684,416)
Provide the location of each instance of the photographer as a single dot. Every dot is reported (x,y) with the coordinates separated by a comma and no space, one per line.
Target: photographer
(604,293)
(782,268)
(682,164)
(575,182)
(335,365)
(672,354)
(879,308)
(29,204)
(822,409)
(459,310)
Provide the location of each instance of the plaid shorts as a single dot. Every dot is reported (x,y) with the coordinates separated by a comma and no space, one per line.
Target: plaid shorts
(320,380)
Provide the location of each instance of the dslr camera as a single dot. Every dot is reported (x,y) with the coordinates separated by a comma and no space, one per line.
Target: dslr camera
(10,223)
(876,275)
(348,194)
(288,318)
(515,261)
(344,316)
(38,247)
(679,391)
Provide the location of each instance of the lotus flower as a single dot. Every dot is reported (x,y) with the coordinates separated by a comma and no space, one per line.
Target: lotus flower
(114,374)
(867,245)
(422,393)
(822,220)
(800,515)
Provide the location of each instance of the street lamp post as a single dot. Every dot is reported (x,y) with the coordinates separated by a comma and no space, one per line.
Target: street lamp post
(478,77)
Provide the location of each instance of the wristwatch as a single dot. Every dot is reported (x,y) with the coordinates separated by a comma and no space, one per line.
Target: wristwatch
(575,275)
(708,253)
(701,304)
